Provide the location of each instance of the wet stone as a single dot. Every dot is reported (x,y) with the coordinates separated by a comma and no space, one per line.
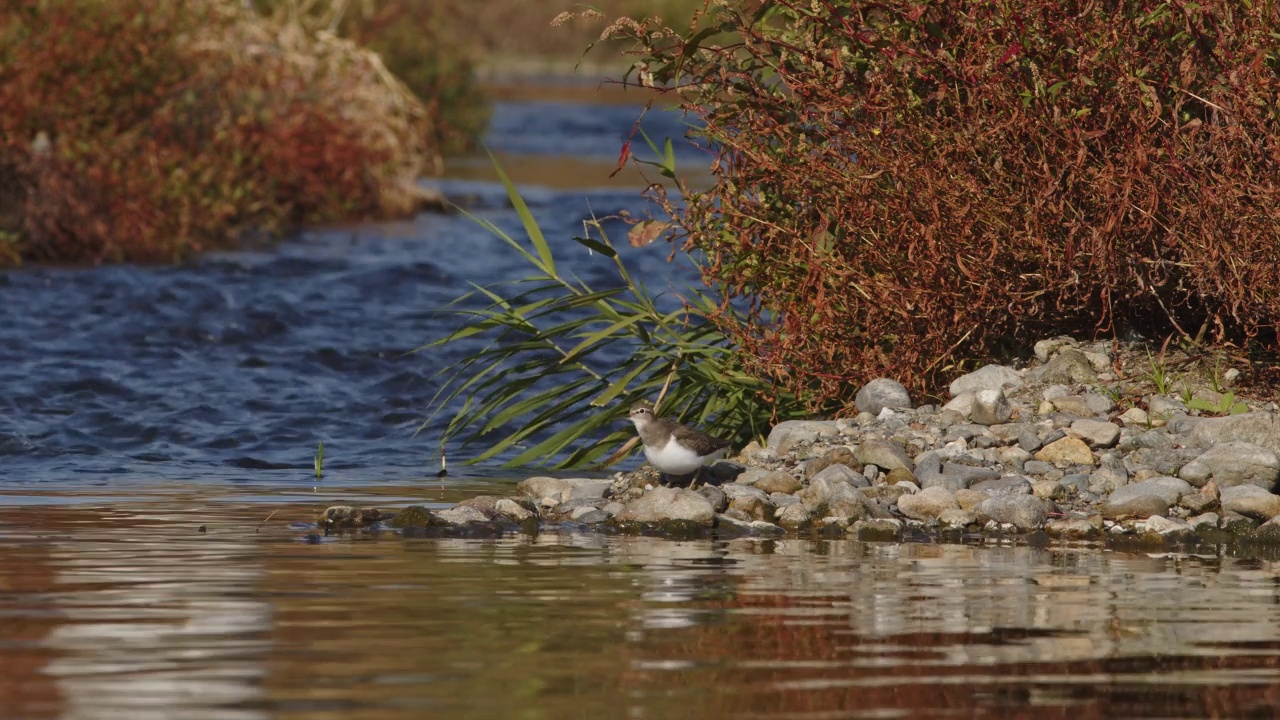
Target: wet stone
(1251,501)
(345,517)
(1025,512)
(877,529)
(1140,506)
(1073,528)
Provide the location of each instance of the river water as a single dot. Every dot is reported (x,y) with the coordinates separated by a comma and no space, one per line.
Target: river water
(157,427)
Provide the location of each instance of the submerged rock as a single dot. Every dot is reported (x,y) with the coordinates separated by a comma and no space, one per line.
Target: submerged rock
(346,517)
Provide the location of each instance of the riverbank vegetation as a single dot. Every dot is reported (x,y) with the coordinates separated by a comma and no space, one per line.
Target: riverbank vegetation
(904,189)
(140,130)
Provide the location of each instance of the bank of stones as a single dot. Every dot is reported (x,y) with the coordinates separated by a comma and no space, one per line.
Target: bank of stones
(1061,447)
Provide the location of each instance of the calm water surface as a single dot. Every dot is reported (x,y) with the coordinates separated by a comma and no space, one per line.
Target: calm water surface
(156,433)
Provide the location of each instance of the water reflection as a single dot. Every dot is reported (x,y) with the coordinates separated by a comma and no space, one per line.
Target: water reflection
(114,612)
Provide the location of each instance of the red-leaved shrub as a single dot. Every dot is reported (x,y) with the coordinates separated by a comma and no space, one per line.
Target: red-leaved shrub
(904,187)
(143,130)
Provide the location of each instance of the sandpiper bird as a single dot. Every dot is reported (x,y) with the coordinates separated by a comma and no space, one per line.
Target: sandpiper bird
(672,448)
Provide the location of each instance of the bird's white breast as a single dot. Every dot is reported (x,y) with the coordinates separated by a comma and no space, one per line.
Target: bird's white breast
(674,458)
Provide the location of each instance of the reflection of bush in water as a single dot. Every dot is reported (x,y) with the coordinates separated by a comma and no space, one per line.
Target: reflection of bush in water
(142,130)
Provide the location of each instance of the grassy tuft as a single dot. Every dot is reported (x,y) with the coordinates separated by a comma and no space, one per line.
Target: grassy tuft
(539,393)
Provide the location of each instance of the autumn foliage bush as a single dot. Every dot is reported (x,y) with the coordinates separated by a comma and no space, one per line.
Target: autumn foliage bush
(905,187)
(143,130)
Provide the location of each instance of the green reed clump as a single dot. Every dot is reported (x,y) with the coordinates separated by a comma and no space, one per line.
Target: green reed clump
(144,130)
(539,393)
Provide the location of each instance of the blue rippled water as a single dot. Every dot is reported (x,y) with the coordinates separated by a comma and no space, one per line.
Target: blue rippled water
(234,366)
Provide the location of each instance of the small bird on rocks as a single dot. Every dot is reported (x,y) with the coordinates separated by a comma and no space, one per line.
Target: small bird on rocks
(672,448)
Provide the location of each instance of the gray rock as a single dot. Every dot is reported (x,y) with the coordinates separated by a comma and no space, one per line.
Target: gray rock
(876,529)
(788,434)
(1257,428)
(1141,506)
(1151,439)
(563,488)
(513,510)
(1096,433)
(1037,467)
(1074,528)
(883,454)
(1068,367)
(718,498)
(781,500)
(1234,463)
(1237,524)
(1110,475)
(589,515)
(1268,532)
(968,474)
(991,407)
(927,504)
(754,475)
(793,517)
(1166,461)
(1135,416)
(1168,489)
(1025,512)
(1251,501)
(823,491)
(1008,485)
(778,482)
(664,503)
(614,508)
(988,377)
(754,508)
(929,469)
(1099,404)
(1074,405)
(882,393)
(1044,349)
(835,456)
(735,491)
(1204,521)
(724,471)
(1163,407)
(888,494)
(957,519)
(842,473)
(462,515)
(1029,439)
(1172,528)
(961,404)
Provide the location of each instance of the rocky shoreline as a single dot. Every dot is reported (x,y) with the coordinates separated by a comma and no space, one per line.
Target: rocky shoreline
(1065,447)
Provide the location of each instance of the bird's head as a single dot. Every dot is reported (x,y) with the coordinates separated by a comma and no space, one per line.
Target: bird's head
(641,414)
